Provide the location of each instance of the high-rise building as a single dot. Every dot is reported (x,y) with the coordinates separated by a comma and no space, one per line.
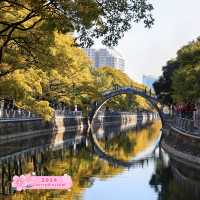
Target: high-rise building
(148,80)
(106,57)
(92,54)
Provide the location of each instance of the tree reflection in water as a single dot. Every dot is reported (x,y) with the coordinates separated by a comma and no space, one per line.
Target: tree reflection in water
(85,167)
(130,143)
(160,180)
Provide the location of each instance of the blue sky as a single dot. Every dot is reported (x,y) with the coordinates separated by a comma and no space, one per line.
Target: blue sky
(176,23)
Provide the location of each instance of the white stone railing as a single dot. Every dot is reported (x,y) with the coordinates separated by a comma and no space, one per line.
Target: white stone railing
(183,124)
(65,113)
(16,114)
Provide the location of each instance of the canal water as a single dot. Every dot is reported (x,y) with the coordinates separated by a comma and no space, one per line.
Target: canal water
(127,163)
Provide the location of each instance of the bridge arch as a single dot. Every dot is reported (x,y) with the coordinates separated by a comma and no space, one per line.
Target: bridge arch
(126,90)
(98,105)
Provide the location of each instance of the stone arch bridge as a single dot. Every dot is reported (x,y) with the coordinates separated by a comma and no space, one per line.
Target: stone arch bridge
(96,106)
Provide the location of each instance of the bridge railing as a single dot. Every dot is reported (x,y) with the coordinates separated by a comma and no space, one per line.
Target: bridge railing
(66,113)
(112,91)
(6,114)
(184,124)
(15,114)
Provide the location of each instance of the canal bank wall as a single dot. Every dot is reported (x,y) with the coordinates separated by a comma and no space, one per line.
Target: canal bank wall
(183,149)
(182,146)
(12,129)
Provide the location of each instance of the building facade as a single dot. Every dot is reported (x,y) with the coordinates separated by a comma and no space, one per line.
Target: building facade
(92,55)
(106,57)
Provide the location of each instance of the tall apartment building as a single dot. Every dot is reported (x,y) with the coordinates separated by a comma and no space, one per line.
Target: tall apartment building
(106,57)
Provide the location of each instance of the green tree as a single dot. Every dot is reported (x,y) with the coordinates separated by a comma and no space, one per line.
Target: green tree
(163,86)
(185,81)
(26,88)
(180,79)
(33,88)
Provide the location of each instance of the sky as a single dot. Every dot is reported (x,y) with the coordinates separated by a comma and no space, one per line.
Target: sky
(177,22)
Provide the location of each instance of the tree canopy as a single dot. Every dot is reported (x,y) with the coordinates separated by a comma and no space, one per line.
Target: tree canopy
(32,88)
(186,80)
(39,59)
(180,79)
(163,86)
(27,27)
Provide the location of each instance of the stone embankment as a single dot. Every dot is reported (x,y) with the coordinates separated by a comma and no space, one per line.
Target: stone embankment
(182,146)
(12,129)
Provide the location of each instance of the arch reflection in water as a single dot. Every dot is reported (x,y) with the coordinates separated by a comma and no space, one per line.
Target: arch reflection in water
(93,178)
(120,147)
(73,157)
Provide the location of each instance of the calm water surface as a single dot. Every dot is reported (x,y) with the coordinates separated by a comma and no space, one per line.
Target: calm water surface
(94,176)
